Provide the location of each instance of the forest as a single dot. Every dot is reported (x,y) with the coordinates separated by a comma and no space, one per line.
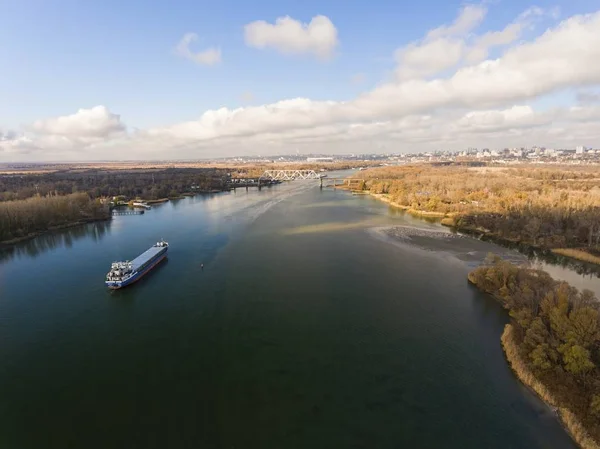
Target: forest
(21,219)
(546,207)
(33,202)
(146,184)
(555,331)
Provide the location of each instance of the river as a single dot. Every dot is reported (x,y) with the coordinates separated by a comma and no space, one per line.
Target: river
(311,325)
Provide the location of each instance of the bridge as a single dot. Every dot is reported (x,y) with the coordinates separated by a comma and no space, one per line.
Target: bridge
(127,212)
(290,175)
(270,177)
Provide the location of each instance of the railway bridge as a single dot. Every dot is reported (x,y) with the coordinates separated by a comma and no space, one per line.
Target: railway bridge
(270,177)
(290,175)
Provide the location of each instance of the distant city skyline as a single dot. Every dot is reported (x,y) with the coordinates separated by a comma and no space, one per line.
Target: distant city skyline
(180,80)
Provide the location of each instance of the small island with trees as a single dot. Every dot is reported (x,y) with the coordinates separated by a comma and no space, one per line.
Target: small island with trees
(552,342)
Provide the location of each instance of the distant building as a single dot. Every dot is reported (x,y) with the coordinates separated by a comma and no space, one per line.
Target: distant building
(319,159)
(579,149)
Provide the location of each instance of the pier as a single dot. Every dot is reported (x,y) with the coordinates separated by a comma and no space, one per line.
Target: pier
(260,182)
(128,212)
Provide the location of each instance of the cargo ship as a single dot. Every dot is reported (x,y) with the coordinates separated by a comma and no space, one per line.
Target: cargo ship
(122,274)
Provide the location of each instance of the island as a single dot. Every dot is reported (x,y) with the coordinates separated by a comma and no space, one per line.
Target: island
(553,208)
(552,342)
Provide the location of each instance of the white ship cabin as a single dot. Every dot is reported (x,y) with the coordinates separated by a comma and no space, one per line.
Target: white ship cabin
(119,270)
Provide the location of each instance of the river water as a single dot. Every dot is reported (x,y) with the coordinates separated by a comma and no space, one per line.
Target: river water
(312,325)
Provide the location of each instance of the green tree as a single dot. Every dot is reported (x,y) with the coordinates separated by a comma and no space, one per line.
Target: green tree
(540,357)
(576,359)
(584,328)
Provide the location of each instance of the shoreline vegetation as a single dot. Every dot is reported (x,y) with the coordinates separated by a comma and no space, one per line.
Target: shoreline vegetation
(449,220)
(552,343)
(8,243)
(102,213)
(552,209)
(519,367)
(53,196)
(26,219)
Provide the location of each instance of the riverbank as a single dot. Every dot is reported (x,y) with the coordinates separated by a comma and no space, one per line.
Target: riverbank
(570,422)
(8,243)
(410,210)
(549,359)
(183,195)
(161,200)
(529,206)
(579,260)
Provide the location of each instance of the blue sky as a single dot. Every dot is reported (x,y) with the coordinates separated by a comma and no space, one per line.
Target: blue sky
(61,56)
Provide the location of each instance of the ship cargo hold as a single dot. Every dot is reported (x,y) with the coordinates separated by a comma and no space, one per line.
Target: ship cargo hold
(122,274)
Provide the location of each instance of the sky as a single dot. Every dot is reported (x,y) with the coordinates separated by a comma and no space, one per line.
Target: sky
(145,80)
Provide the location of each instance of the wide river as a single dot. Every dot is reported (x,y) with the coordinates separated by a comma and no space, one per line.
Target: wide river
(310,326)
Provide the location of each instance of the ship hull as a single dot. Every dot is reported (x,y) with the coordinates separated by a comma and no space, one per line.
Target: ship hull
(116,285)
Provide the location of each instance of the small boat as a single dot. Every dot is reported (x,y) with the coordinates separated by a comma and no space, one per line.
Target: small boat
(122,274)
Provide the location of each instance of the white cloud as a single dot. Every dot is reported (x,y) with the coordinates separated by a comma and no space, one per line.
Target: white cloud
(210,56)
(446,47)
(470,17)
(428,58)
(441,48)
(289,36)
(553,61)
(513,31)
(485,104)
(514,117)
(95,122)
(85,129)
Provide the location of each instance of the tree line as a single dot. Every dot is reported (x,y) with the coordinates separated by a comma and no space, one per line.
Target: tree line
(557,332)
(146,184)
(27,217)
(550,208)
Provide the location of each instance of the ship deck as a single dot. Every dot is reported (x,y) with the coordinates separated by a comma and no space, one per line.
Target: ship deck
(145,256)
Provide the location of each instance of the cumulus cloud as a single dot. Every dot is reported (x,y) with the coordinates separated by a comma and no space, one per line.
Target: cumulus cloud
(210,56)
(446,47)
(483,103)
(469,18)
(289,36)
(79,131)
(95,122)
(441,48)
(482,44)
(555,60)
